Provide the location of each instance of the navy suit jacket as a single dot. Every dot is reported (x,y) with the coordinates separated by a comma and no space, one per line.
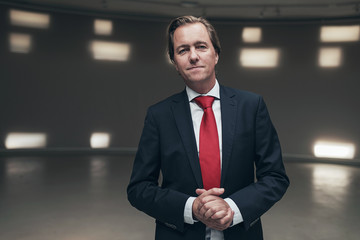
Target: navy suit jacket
(250,146)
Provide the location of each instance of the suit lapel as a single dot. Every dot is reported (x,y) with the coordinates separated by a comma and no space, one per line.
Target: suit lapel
(228,119)
(182,115)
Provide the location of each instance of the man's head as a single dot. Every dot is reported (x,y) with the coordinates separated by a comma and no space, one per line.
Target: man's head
(194,50)
(180,21)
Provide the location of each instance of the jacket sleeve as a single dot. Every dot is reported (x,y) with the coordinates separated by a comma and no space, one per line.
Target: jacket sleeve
(144,193)
(271,179)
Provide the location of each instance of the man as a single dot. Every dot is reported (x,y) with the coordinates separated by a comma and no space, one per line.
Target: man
(207,154)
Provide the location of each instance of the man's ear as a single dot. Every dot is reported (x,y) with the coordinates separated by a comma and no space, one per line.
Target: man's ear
(216,58)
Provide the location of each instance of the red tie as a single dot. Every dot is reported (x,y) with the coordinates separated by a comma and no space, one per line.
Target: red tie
(209,152)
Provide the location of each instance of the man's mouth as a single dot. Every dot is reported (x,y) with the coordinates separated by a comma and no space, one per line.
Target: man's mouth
(194,67)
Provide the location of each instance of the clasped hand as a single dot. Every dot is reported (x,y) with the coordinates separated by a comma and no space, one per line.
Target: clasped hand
(211,209)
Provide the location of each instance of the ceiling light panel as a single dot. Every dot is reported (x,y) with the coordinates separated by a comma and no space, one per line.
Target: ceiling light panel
(340,33)
(259,57)
(330,57)
(251,34)
(103,27)
(20,43)
(29,19)
(113,51)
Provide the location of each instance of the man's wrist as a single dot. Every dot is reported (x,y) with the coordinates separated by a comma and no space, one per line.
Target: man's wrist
(237,214)
(188,214)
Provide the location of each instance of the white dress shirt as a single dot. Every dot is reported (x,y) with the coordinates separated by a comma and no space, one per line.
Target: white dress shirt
(196,115)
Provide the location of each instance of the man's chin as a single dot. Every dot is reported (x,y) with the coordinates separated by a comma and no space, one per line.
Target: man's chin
(198,84)
(195,81)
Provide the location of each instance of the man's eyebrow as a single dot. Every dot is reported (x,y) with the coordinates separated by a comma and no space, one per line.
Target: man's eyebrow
(187,45)
(182,46)
(201,42)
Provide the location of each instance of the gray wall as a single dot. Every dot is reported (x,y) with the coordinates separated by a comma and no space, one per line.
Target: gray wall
(59,89)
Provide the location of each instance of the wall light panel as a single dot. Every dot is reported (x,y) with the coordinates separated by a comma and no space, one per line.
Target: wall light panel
(25,140)
(259,57)
(340,33)
(251,34)
(103,27)
(20,43)
(115,51)
(328,149)
(100,140)
(29,19)
(330,57)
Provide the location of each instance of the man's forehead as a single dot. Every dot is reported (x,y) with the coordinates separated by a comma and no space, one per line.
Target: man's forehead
(191,34)
(191,26)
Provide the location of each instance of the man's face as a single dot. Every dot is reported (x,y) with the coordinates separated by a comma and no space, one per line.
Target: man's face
(194,55)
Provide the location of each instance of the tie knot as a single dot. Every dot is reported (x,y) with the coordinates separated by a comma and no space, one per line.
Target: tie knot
(204,101)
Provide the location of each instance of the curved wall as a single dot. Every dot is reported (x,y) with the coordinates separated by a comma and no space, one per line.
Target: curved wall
(59,89)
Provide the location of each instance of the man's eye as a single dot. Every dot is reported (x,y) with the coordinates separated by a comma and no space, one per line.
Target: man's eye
(181,51)
(202,47)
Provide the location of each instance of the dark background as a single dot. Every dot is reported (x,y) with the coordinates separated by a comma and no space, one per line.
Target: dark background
(59,89)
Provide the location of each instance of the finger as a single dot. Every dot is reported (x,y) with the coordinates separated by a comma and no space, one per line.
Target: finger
(206,196)
(209,203)
(217,207)
(219,215)
(197,205)
(214,202)
(226,221)
(211,208)
(216,191)
(208,214)
(210,198)
(212,191)
(208,208)
(200,191)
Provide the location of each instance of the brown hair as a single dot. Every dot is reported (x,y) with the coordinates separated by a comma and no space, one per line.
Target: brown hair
(180,21)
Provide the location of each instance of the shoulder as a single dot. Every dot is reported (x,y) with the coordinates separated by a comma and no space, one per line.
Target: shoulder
(239,94)
(244,100)
(166,103)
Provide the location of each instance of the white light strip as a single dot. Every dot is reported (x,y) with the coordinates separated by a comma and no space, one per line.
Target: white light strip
(20,43)
(100,140)
(25,140)
(330,57)
(251,34)
(29,19)
(259,57)
(340,33)
(326,149)
(115,51)
(103,27)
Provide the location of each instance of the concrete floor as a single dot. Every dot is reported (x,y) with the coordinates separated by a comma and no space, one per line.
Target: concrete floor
(84,198)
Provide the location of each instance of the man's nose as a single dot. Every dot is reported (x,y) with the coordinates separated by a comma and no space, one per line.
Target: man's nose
(194,57)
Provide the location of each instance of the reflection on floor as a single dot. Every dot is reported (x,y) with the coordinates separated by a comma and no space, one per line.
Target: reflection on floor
(84,198)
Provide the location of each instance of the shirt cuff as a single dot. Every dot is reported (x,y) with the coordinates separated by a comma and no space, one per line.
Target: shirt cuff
(188,216)
(238,218)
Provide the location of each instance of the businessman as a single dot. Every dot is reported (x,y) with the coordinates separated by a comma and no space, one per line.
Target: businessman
(216,148)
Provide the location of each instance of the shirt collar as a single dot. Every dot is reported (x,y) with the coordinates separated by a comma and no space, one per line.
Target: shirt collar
(214,92)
